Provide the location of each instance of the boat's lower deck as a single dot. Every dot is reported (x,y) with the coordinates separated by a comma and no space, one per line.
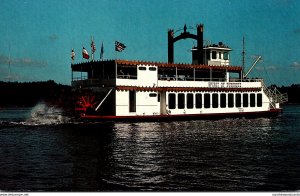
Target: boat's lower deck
(157,103)
(165,103)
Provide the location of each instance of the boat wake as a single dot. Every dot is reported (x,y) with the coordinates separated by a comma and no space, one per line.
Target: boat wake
(39,115)
(42,114)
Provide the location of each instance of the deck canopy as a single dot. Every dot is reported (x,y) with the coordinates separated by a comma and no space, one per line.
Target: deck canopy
(85,67)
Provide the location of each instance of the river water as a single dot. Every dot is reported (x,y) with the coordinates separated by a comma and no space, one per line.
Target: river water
(43,150)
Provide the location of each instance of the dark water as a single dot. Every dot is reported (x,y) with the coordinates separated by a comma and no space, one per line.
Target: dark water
(41,150)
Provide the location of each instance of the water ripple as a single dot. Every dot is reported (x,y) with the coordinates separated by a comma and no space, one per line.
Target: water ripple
(260,154)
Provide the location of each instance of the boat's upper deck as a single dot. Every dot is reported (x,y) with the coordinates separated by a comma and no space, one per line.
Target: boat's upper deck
(156,74)
(229,68)
(88,66)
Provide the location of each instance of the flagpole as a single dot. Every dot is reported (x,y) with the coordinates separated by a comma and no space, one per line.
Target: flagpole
(101,52)
(92,40)
(82,53)
(119,47)
(116,66)
(116,63)
(81,64)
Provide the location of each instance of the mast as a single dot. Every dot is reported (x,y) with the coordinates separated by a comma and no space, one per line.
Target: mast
(243,56)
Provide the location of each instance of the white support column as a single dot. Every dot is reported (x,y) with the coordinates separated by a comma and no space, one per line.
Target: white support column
(227,76)
(194,74)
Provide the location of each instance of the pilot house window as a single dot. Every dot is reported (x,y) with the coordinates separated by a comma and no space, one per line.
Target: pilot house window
(225,56)
(214,55)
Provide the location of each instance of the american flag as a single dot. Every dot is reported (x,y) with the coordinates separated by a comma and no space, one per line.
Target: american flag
(93,47)
(119,46)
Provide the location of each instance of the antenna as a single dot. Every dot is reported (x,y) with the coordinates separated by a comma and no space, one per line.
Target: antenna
(243,54)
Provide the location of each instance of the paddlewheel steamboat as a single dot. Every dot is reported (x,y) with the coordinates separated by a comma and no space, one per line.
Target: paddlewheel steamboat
(209,87)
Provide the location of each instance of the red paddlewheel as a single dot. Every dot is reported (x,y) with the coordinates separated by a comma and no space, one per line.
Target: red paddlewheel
(86,101)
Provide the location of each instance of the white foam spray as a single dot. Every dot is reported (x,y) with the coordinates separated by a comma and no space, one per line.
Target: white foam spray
(41,114)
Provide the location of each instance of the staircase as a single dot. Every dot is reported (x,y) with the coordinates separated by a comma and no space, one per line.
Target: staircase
(274,95)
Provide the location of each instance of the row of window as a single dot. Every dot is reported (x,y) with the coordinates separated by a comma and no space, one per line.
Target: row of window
(214,100)
(145,68)
(219,56)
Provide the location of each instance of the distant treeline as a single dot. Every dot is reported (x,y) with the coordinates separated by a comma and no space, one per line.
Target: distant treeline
(28,94)
(293,92)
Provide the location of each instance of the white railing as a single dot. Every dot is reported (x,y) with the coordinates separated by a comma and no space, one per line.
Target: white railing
(274,95)
(93,82)
(245,80)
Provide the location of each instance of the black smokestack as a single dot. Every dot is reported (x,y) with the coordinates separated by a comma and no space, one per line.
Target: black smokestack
(200,43)
(170,46)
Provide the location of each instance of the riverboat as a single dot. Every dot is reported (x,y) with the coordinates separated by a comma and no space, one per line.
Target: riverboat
(209,87)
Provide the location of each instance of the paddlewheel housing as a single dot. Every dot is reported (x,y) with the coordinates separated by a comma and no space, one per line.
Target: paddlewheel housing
(85,103)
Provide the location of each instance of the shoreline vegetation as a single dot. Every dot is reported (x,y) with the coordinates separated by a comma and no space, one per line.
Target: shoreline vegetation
(28,94)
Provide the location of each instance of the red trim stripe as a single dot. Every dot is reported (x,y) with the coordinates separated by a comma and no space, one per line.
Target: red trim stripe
(177,89)
(270,113)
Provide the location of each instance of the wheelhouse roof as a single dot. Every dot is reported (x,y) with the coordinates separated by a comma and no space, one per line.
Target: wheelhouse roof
(84,66)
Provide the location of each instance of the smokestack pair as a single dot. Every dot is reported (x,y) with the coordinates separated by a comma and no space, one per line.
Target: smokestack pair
(184,35)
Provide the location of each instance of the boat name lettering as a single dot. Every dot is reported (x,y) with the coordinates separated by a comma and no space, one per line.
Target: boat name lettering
(224,85)
(214,84)
(234,85)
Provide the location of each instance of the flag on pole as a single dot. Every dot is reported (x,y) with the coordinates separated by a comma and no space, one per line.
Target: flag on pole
(119,47)
(85,53)
(101,51)
(72,55)
(93,46)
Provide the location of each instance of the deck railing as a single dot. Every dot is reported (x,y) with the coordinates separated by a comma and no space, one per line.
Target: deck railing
(274,95)
(245,80)
(93,82)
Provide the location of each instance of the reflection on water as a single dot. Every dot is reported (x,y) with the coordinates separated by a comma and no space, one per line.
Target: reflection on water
(223,155)
(137,153)
(190,155)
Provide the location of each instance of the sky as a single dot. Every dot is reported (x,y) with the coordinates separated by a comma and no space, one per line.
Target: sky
(37,36)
